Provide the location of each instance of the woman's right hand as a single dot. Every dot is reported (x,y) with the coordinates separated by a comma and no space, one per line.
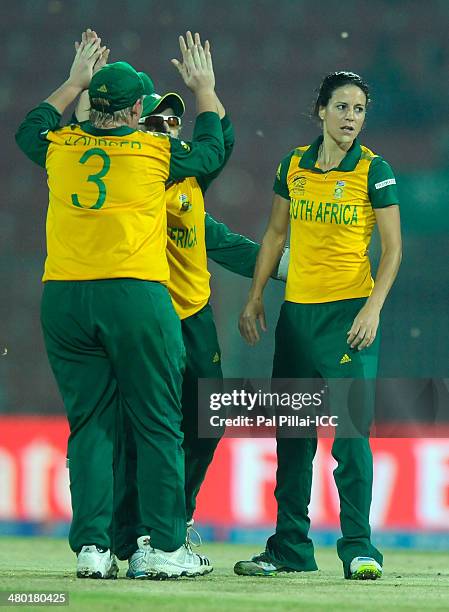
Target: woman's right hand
(252,313)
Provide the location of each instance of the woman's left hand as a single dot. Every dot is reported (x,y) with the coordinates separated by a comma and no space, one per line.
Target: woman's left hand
(364,327)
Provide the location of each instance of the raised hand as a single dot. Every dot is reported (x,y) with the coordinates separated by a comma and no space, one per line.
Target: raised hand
(101,61)
(90,36)
(88,53)
(196,68)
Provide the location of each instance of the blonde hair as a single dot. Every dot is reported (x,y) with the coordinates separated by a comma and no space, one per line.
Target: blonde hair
(99,119)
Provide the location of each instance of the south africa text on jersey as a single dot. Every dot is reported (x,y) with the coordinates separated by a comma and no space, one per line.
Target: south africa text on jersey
(87,141)
(183,237)
(328,212)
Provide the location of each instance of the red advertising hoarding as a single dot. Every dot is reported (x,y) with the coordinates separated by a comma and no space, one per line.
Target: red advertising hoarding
(411,485)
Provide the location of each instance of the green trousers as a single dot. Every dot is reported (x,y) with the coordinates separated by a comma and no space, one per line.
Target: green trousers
(203,360)
(117,343)
(311,343)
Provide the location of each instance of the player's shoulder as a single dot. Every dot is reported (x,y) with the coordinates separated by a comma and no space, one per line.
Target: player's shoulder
(153,140)
(375,162)
(60,134)
(374,159)
(367,154)
(299,151)
(295,153)
(152,137)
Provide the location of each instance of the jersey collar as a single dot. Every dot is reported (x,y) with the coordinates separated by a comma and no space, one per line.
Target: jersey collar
(347,164)
(123,130)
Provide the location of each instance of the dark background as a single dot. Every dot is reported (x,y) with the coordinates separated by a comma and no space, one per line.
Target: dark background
(269,57)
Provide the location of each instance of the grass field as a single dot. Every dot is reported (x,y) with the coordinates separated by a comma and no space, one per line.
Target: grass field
(412,581)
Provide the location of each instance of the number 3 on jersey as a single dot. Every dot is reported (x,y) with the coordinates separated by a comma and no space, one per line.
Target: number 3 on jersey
(95,178)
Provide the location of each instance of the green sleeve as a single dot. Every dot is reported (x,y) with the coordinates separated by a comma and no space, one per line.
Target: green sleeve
(382,189)
(234,252)
(228,138)
(280,182)
(202,156)
(31,135)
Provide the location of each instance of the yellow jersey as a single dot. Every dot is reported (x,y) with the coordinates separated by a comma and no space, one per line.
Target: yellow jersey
(186,239)
(332,220)
(107,207)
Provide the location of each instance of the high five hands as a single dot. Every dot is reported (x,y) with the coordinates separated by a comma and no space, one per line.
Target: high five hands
(89,36)
(196,68)
(88,52)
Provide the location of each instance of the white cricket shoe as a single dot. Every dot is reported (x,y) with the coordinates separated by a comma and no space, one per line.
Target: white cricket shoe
(365,568)
(153,564)
(94,562)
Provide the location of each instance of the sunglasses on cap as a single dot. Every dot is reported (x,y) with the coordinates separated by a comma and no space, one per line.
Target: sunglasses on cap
(156,122)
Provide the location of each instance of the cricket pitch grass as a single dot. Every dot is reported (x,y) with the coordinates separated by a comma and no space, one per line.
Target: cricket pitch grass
(412,581)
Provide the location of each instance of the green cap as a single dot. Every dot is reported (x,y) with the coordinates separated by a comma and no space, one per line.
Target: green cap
(154,101)
(117,86)
(147,82)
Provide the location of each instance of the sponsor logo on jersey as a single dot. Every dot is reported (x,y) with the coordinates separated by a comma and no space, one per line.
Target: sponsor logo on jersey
(385,183)
(216,358)
(345,359)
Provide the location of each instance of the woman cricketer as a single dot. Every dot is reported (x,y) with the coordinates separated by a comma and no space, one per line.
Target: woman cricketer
(333,191)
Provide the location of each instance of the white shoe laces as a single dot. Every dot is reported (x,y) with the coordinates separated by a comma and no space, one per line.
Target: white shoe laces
(193,538)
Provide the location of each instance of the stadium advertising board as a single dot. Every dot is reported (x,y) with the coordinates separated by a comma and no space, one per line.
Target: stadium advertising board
(411,485)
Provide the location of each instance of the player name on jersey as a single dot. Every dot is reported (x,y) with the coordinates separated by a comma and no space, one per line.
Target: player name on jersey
(76,139)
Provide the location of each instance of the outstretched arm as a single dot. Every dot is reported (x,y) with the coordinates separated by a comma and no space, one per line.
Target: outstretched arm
(31,135)
(228,140)
(197,72)
(82,108)
(235,252)
(205,154)
(228,131)
(80,75)
(232,251)
(190,68)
